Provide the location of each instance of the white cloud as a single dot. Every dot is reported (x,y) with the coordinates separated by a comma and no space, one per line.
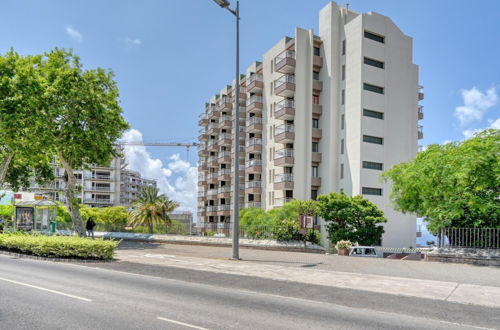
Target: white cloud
(177,178)
(468,133)
(131,42)
(476,103)
(74,34)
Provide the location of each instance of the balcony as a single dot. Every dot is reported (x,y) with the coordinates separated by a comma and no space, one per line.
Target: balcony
(317,86)
(283,181)
(202,211)
(98,188)
(241,169)
(285,109)
(103,201)
(285,62)
(420,132)
(254,103)
(317,133)
(317,110)
(203,136)
(278,202)
(224,157)
(224,192)
(213,113)
(224,104)
(98,177)
(254,124)
(224,174)
(254,145)
(224,139)
(243,96)
(224,210)
(211,210)
(285,85)
(202,119)
(253,204)
(284,133)
(212,145)
(211,193)
(225,121)
(283,157)
(255,83)
(213,128)
(202,150)
(212,177)
(315,181)
(317,61)
(253,166)
(316,157)
(420,112)
(212,161)
(253,187)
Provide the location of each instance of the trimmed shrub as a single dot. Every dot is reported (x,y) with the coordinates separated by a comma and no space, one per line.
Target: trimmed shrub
(58,246)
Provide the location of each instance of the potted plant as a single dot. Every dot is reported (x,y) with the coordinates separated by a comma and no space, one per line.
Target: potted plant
(343,247)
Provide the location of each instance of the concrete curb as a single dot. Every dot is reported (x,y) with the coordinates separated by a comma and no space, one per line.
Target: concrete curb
(29,256)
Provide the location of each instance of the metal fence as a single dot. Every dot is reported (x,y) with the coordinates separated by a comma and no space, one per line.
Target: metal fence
(479,238)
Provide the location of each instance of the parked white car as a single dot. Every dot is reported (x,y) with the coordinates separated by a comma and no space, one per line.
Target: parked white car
(365,251)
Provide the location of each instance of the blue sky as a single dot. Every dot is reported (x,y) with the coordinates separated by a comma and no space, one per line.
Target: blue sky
(170,56)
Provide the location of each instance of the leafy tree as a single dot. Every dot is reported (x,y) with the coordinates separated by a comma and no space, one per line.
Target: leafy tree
(351,218)
(23,153)
(150,208)
(452,185)
(82,118)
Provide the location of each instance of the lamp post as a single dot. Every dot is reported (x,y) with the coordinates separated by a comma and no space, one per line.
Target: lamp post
(236,180)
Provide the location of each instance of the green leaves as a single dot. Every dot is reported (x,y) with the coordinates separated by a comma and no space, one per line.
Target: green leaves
(456,184)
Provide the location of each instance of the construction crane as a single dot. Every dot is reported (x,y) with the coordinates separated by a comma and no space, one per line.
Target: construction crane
(160,144)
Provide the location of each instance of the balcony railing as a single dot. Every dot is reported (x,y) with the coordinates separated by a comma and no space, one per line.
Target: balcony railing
(284,55)
(283,128)
(283,153)
(253,141)
(98,177)
(224,154)
(254,77)
(100,188)
(283,177)
(253,162)
(224,136)
(212,175)
(212,158)
(254,99)
(285,103)
(98,200)
(225,207)
(254,120)
(284,79)
(253,184)
(212,142)
(282,201)
(226,189)
(225,171)
(211,208)
(253,204)
(212,192)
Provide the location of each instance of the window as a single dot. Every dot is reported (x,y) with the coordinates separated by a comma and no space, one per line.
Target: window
(315,99)
(315,147)
(342,97)
(270,176)
(375,63)
(373,88)
(343,72)
(342,146)
(342,121)
(343,47)
(371,191)
(315,75)
(373,166)
(314,194)
(341,171)
(374,37)
(316,51)
(271,109)
(272,66)
(373,139)
(272,90)
(373,114)
(315,123)
(315,171)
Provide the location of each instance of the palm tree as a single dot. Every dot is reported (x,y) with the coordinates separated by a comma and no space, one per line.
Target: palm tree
(151,207)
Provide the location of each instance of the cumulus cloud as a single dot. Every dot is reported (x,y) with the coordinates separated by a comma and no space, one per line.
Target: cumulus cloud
(468,133)
(176,178)
(132,42)
(476,103)
(74,34)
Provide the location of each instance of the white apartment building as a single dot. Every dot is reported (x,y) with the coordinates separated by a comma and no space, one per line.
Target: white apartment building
(319,114)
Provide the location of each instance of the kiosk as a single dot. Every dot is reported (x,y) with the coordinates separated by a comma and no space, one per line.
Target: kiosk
(37,215)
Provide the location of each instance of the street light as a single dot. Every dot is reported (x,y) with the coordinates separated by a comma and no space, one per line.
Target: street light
(236,185)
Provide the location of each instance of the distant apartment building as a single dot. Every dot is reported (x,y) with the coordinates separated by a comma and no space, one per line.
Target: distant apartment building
(318,114)
(102,186)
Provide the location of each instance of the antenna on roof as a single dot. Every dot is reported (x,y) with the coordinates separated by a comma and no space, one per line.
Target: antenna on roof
(347,5)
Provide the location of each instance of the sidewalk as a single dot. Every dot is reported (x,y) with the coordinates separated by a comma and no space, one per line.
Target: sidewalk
(446,282)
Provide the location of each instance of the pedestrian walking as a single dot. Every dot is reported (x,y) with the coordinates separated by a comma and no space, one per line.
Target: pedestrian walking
(90,227)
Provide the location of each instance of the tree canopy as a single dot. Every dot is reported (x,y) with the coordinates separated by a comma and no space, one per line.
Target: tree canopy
(452,185)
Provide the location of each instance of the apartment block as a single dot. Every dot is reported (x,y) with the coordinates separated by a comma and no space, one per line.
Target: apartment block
(319,113)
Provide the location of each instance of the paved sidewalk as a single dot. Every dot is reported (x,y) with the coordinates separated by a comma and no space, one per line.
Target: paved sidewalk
(327,270)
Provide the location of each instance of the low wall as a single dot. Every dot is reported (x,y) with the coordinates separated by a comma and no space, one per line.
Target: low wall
(482,257)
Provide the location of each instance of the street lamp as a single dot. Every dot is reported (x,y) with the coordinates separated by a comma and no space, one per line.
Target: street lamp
(236,185)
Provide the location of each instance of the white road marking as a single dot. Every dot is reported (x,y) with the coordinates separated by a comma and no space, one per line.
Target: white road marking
(45,289)
(181,323)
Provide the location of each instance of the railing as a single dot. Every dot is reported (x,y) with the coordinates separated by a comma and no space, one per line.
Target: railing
(283,55)
(254,77)
(254,99)
(100,177)
(254,120)
(100,188)
(212,175)
(212,158)
(213,125)
(241,168)
(212,192)
(480,238)
(253,162)
(98,200)
(224,154)
(283,128)
(284,79)
(241,149)
(253,204)
(285,103)
(283,153)
(282,201)
(253,141)
(224,136)
(222,190)
(420,129)
(253,184)
(225,207)
(211,208)
(283,177)
(224,171)
(212,142)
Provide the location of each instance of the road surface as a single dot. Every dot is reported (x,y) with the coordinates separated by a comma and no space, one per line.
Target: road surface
(47,295)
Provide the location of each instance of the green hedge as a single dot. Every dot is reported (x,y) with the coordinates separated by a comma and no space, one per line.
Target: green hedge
(58,246)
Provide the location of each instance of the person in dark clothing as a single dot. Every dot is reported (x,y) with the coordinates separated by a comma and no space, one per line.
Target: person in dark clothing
(90,227)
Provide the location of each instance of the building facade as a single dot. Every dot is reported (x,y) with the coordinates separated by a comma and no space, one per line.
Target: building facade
(319,114)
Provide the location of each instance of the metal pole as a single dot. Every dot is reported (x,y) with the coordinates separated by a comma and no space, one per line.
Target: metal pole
(236,194)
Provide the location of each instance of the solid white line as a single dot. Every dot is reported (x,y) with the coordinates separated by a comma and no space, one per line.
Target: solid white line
(44,289)
(181,323)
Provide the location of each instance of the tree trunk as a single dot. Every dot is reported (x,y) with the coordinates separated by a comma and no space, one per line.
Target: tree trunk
(4,166)
(71,201)
(150,225)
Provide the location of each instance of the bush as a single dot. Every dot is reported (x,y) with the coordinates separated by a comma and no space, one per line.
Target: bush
(313,236)
(287,230)
(173,228)
(58,246)
(343,245)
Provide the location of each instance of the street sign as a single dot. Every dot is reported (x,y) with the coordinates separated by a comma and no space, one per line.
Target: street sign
(306,221)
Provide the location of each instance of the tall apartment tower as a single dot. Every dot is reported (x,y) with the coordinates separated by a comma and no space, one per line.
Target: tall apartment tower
(319,114)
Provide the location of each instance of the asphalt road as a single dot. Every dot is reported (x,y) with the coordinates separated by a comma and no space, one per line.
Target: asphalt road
(46,295)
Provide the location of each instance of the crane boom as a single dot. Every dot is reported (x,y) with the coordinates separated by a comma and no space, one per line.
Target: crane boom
(159,144)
